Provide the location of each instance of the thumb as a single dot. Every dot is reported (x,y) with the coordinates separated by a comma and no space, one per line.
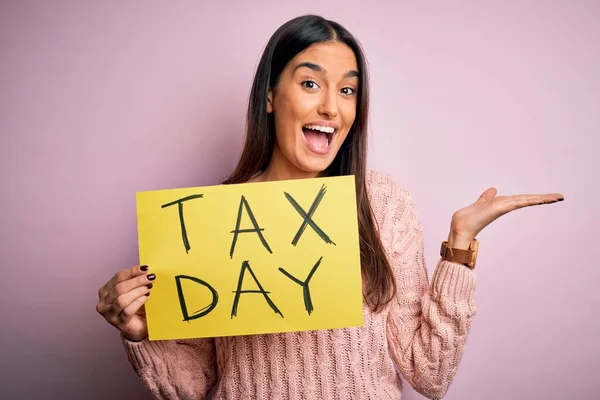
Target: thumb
(487,196)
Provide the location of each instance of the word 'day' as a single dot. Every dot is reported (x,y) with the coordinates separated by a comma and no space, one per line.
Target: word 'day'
(251,258)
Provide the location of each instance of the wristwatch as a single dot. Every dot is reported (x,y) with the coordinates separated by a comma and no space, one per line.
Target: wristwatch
(466,257)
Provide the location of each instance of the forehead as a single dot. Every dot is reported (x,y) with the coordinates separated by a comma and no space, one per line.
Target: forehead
(335,57)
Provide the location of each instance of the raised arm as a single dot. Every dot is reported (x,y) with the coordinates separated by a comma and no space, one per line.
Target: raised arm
(428,323)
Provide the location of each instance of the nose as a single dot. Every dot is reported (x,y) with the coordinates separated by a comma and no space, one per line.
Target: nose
(328,106)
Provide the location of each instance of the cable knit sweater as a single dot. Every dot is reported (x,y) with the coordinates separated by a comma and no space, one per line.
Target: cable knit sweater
(422,332)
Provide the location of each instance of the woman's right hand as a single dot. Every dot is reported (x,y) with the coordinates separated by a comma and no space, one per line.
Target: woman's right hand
(122,301)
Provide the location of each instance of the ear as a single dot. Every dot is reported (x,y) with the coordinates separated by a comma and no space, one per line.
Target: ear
(270,102)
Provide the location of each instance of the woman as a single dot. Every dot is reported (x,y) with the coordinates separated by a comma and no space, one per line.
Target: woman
(307,117)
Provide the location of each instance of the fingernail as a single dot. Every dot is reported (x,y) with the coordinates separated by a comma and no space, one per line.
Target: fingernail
(151,277)
(147,294)
(149,286)
(560,199)
(144,268)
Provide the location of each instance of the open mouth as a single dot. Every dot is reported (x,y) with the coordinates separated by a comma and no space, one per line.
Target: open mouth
(318,137)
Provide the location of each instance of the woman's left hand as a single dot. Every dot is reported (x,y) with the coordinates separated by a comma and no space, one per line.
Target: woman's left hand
(469,221)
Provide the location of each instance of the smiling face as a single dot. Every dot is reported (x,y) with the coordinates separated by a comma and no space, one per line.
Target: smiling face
(314,107)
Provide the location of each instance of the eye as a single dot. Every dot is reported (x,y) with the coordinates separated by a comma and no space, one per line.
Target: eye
(348,91)
(309,84)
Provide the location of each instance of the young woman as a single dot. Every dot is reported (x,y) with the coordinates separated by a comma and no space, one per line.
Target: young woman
(307,117)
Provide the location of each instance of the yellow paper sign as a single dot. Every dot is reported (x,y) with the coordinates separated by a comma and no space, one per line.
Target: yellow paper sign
(251,258)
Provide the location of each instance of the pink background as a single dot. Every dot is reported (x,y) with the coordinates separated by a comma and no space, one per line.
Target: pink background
(98,101)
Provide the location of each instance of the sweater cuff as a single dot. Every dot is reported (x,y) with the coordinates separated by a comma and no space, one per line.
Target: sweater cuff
(453,281)
(141,354)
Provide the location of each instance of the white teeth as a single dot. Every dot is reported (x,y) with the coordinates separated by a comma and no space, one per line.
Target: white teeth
(325,129)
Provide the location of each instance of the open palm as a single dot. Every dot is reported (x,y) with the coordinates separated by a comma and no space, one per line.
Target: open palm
(469,221)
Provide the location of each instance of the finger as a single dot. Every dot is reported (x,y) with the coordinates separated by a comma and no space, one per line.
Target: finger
(129,285)
(123,275)
(128,312)
(124,300)
(525,200)
(102,308)
(107,308)
(545,196)
(520,201)
(552,198)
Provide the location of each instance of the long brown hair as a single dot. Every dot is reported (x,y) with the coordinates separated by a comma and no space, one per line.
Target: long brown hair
(290,39)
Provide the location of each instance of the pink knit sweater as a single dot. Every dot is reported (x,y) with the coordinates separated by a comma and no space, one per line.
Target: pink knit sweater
(422,332)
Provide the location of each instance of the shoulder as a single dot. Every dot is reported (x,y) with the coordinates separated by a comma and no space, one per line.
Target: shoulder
(391,201)
(383,188)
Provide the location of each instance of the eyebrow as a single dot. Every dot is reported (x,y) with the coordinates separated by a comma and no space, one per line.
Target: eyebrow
(318,68)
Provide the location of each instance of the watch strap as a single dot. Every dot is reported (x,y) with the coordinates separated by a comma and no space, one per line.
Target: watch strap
(462,256)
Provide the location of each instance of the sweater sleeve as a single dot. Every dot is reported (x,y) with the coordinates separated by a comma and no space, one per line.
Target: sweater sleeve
(427,324)
(174,369)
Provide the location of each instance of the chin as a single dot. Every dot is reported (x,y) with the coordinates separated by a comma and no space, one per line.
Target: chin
(314,164)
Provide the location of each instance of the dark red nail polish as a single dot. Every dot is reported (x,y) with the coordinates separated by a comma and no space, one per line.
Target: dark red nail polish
(147,294)
(144,268)
(560,199)
(149,286)
(151,277)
